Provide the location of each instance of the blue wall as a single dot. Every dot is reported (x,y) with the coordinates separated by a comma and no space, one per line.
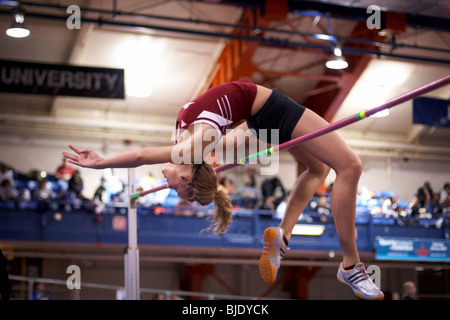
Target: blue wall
(83,226)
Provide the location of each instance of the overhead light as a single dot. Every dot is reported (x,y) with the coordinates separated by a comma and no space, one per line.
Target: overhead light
(18,28)
(138,80)
(337,51)
(381,114)
(336,62)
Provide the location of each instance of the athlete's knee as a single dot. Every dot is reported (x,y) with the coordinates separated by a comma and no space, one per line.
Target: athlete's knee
(319,170)
(352,167)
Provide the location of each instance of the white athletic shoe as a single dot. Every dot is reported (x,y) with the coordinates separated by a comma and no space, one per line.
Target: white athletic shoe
(273,252)
(360,282)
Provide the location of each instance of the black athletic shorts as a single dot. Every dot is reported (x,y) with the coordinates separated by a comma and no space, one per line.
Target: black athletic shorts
(279,112)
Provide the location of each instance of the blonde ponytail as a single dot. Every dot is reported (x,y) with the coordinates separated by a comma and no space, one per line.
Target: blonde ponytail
(221,216)
(203,189)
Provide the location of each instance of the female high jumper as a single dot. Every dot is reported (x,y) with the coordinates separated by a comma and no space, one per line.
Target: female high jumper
(245,105)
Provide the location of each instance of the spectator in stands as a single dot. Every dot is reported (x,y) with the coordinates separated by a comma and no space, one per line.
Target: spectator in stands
(122,196)
(424,195)
(251,193)
(149,181)
(323,207)
(269,203)
(74,194)
(272,187)
(145,183)
(7,192)
(444,195)
(24,195)
(7,174)
(43,191)
(409,291)
(99,192)
(435,207)
(227,185)
(40,293)
(281,208)
(65,171)
(100,198)
(413,207)
(390,206)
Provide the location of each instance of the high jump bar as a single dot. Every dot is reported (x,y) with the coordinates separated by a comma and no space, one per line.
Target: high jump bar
(324,130)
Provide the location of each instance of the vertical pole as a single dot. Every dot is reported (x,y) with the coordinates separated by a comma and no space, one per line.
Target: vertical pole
(131,251)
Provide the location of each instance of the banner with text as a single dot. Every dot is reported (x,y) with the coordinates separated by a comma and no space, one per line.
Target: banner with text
(412,249)
(61,80)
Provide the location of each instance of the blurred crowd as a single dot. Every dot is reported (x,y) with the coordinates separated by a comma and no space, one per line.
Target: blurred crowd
(65,187)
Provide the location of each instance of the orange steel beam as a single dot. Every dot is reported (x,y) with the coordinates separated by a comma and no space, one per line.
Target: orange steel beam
(236,59)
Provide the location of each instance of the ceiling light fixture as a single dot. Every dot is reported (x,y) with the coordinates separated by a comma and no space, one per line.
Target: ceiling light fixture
(337,60)
(18,28)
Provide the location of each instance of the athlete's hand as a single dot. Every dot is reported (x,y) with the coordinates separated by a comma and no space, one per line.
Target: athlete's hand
(83,158)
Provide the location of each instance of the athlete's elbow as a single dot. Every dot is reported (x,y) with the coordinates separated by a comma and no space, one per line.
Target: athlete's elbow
(140,158)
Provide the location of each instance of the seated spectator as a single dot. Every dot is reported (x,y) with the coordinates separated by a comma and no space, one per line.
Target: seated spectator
(122,196)
(43,191)
(99,192)
(409,291)
(251,192)
(74,194)
(226,184)
(146,183)
(7,174)
(149,181)
(435,207)
(269,204)
(281,208)
(414,208)
(7,192)
(65,171)
(272,187)
(390,206)
(323,207)
(424,195)
(40,293)
(24,195)
(444,195)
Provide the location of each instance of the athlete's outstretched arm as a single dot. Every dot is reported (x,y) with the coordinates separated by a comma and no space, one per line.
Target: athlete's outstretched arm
(129,159)
(189,149)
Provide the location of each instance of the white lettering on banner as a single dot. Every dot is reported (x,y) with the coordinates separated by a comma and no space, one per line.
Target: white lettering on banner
(53,78)
(400,245)
(438,246)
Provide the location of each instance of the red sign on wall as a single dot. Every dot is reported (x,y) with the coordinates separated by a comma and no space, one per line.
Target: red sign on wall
(119,223)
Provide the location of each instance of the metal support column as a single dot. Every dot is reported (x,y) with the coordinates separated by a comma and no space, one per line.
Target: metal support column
(131,251)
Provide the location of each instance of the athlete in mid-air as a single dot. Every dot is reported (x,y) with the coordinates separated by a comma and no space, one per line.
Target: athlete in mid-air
(242,105)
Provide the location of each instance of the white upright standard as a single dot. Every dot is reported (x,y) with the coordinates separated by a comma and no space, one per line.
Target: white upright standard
(132,251)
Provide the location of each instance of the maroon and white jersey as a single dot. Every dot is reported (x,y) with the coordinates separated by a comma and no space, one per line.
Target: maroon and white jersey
(222,107)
